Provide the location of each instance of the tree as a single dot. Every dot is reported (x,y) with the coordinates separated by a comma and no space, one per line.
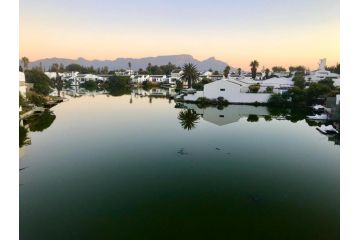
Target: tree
(278,69)
(74,68)
(239,70)
(267,73)
(299,81)
(254,65)
(226,71)
(190,74)
(277,100)
(42,83)
(55,67)
(129,65)
(216,73)
(118,85)
(298,69)
(20,68)
(25,62)
(334,69)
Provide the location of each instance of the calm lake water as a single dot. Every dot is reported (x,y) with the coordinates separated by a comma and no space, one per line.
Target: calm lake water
(128,168)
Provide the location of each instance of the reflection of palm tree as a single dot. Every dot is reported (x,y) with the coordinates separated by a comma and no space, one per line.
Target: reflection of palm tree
(188,118)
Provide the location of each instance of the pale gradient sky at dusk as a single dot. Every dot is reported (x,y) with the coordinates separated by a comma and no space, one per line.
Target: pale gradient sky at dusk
(275,32)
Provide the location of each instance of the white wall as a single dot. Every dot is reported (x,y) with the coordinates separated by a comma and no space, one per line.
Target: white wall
(22,84)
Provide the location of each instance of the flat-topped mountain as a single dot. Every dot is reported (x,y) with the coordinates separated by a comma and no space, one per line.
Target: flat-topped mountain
(178,60)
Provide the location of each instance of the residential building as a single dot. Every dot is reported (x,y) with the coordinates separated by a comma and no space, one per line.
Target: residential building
(321,73)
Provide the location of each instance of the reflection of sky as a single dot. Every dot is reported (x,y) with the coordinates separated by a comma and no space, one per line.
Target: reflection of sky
(275,32)
(103,156)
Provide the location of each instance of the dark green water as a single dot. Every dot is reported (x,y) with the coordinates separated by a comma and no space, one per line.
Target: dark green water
(110,169)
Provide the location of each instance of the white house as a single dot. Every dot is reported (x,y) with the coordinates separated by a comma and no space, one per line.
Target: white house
(279,85)
(176,74)
(231,90)
(22,84)
(81,78)
(140,78)
(127,72)
(157,78)
(321,73)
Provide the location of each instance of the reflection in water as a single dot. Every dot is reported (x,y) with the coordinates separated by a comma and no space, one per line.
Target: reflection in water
(22,135)
(252,118)
(126,163)
(229,114)
(38,123)
(35,123)
(188,118)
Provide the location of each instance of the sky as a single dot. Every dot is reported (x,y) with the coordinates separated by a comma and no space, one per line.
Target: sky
(274,32)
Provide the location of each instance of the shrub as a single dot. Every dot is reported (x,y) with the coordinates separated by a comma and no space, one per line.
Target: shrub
(35,98)
(254,88)
(269,89)
(90,85)
(277,100)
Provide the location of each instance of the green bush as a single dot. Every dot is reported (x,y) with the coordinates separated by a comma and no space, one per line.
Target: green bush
(254,88)
(22,101)
(90,85)
(35,98)
(277,100)
(269,89)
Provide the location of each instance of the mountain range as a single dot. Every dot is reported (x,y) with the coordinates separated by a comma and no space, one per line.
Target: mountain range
(136,63)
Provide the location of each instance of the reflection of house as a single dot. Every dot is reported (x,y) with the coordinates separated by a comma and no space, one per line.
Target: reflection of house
(229,114)
(321,74)
(333,107)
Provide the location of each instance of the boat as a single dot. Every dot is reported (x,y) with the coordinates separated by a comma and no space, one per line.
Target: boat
(322,116)
(327,129)
(189,90)
(318,107)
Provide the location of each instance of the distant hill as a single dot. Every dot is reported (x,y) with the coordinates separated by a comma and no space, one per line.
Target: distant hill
(137,63)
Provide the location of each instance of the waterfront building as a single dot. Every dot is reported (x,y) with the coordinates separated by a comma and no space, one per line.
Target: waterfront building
(176,74)
(22,84)
(232,90)
(157,78)
(321,74)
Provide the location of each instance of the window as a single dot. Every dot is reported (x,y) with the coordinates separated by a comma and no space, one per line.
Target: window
(223,89)
(221,116)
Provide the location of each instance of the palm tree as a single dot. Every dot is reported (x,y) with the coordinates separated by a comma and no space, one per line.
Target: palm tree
(267,73)
(226,71)
(129,65)
(25,62)
(190,74)
(254,65)
(239,70)
(188,118)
